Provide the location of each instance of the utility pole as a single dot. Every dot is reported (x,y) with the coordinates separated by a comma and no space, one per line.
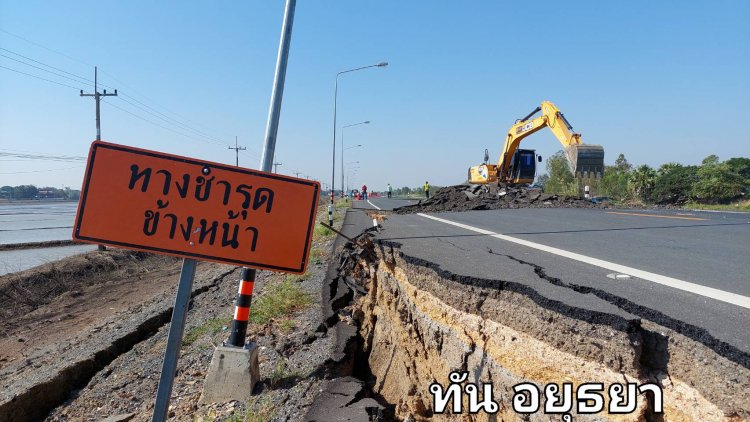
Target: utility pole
(296,173)
(97,96)
(237,150)
(276,165)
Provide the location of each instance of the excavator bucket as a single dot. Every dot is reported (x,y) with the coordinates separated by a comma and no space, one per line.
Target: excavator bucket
(584,158)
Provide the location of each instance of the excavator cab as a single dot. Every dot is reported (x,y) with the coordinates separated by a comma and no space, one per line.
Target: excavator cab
(523,166)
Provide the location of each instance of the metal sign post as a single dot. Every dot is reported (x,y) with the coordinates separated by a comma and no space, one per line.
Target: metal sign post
(176,329)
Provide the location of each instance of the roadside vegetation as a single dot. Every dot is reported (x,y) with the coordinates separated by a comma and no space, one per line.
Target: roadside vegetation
(714,184)
(414,193)
(209,327)
(278,300)
(25,192)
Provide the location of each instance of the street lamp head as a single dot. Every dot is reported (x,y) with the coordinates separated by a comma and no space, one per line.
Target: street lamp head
(382,64)
(367,122)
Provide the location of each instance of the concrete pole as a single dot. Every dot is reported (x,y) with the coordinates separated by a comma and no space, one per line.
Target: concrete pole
(272,125)
(96,99)
(342,161)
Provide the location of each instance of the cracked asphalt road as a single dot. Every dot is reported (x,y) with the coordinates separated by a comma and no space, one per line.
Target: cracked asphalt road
(709,249)
(381,203)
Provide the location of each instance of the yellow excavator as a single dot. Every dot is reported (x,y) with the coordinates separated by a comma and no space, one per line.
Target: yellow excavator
(518,166)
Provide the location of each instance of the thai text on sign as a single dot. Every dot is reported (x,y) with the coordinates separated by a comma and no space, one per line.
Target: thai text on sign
(151,201)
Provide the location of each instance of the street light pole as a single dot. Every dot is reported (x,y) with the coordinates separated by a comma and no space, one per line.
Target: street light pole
(366,122)
(350,172)
(333,159)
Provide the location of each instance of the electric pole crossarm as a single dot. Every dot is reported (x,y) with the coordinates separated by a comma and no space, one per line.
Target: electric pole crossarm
(237,150)
(97,98)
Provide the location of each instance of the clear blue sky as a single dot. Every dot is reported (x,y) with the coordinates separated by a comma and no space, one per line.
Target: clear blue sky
(657,81)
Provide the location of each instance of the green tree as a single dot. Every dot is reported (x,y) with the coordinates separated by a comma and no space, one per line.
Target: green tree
(641,182)
(25,192)
(6,192)
(674,183)
(542,180)
(717,182)
(560,179)
(404,191)
(615,179)
(741,166)
(622,164)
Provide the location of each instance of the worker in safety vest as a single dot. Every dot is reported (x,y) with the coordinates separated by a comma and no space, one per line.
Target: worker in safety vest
(427,190)
(390,190)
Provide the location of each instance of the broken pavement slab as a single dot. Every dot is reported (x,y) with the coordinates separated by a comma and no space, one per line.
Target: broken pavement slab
(473,197)
(341,400)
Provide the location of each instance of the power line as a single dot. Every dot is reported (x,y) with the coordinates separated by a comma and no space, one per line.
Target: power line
(251,154)
(166,118)
(50,66)
(39,77)
(35,152)
(40,68)
(46,48)
(39,171)
(44,157)
(144,96)
(152,122)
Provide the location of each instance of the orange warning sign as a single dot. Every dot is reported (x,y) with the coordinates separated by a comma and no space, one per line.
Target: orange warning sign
(151,201)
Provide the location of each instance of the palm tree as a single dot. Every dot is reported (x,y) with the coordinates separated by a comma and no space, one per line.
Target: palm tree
(642,181)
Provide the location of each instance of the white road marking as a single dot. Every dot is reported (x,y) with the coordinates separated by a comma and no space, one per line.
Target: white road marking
(687,286)
(368,201)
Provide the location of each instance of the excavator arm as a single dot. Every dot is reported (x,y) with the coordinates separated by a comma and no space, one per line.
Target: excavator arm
(581,157)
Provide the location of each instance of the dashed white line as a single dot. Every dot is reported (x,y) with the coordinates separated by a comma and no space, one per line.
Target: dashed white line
(687,286)
(377,207)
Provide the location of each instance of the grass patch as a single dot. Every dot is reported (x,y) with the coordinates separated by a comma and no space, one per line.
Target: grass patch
(260,410)
(210,326)
(322,232)
(342,203)
(279,300)
(279,372)
(317,254)
(737,206)
(287,325)
(296,278)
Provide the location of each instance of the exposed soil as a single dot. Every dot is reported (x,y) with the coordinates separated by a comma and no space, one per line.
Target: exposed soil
(475,197)
(51,303)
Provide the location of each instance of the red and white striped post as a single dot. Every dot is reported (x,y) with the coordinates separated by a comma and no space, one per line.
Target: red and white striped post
(242,308)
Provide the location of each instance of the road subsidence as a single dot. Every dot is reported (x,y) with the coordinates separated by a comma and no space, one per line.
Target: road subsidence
(417,324)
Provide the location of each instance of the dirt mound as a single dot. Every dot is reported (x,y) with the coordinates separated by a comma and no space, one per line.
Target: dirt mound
(474,197)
